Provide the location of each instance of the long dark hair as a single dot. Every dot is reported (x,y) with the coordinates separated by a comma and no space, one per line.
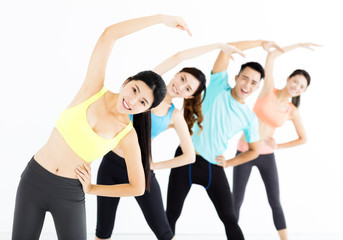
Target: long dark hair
(142,121)
(296,100)
(192,106)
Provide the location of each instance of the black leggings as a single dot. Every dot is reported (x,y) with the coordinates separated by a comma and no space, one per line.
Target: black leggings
(41,191)
(112,170)
(267,166)
(211,177)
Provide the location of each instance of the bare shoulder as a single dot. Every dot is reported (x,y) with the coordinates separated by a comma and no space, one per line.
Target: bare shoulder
(83,94)
(294,112)
(129,141)
(176,116)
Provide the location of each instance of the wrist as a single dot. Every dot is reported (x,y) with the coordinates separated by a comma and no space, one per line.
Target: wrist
(221,45)
(91,189)
(159,17)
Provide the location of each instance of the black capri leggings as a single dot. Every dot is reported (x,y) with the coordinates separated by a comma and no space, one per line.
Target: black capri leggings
(41,191)
(213,179)
(112,170)
(267,166)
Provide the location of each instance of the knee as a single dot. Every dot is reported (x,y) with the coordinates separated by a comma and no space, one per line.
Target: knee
(102,234)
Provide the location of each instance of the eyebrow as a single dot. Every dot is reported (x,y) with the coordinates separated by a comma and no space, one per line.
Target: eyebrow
(188,84)
(139,91)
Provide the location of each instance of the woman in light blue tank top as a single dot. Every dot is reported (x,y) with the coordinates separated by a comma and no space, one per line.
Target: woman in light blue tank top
(187,84)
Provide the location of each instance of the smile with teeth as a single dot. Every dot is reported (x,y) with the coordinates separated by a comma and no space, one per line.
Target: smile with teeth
(126,106)
(245,92)
(175,90)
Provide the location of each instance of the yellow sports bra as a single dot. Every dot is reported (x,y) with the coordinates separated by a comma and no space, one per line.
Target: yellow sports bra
(81,138)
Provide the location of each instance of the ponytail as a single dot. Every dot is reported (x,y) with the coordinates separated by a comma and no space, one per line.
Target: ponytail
(192,106)
(142,121)
(142,125)
(192,112)
(296,101)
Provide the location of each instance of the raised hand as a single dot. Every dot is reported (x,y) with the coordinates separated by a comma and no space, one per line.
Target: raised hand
(229,50)
(175,22)
(309,45)
(267,45)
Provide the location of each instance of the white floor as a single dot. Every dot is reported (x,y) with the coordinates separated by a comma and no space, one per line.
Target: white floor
(45,236)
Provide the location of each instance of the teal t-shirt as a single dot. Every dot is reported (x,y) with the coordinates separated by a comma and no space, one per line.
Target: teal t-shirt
(224,117)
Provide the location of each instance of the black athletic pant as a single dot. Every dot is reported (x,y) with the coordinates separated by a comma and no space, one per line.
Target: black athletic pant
(112,170)
(211,177)
(41,191)
(267,166)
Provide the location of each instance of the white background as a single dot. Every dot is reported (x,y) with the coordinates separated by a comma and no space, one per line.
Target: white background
(44,51)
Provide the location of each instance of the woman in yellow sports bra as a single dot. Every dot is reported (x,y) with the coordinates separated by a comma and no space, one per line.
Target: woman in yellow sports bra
(96,122)
(272,108)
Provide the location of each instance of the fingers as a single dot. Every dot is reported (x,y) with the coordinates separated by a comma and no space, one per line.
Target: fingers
(236,50)
(87,168)
(83,174)
(241,53)
(220,161)
(278,47)
(80,175)
(184,27)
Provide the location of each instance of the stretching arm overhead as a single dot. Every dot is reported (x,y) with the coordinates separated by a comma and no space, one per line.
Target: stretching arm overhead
(181,56)
(95,76)
(222,61)
(269,66)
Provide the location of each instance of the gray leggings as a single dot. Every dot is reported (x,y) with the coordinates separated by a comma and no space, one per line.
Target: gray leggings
(267,166)
(41,191)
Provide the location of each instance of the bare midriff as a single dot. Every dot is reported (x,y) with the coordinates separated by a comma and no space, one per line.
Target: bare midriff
(58,158)
(265,132)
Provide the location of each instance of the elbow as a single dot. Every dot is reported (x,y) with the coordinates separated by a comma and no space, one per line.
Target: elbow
(255,155)
(137,186)
(109,33)
(303,140)
(192,158)
(138,190)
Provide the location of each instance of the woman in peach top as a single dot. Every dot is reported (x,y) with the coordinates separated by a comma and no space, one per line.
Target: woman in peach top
(273,108)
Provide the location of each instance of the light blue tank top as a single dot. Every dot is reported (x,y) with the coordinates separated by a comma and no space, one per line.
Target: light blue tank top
(159,124)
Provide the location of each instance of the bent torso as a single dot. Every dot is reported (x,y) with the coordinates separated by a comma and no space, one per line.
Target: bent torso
(265,132)
(57,157)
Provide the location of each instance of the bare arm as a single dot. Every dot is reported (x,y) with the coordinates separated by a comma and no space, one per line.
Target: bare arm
(299,127)
(95,77)
(135,187)
(244,157)
(222,61)
(179,57)
(186,144)
(269,66)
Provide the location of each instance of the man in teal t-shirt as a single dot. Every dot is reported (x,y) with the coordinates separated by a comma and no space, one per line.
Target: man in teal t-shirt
(225,114)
